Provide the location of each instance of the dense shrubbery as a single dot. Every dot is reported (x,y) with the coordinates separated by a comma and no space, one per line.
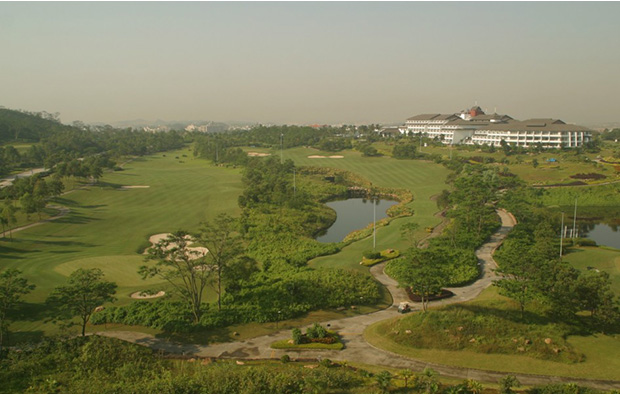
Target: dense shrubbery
(404,151)
(588,176)
(102,365)
(267,296)
(460,266)
(531,271)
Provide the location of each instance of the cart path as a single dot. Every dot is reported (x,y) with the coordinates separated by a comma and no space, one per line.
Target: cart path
(351,330)
(62,211)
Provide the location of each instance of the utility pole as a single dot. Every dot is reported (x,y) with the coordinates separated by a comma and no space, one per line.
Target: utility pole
(281,146)
(561,235)
(575,223)
(374,223)
(294,182)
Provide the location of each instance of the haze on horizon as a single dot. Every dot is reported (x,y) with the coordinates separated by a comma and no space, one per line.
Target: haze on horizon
(310,62)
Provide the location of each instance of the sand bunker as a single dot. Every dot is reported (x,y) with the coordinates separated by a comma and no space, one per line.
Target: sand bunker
(325,157)
(261,154)
(134,187)
(195,252)
(144,295)
(336,157)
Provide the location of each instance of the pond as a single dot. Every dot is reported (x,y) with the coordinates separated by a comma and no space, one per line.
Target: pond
(603,234)
(353,214)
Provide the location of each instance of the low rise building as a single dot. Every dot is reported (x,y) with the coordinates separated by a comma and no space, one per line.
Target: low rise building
(473,126)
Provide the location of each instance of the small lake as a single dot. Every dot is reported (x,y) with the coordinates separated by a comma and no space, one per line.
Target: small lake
(353,214)
(604,235)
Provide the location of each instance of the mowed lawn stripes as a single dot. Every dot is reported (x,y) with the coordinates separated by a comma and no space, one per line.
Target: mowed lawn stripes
(105,221)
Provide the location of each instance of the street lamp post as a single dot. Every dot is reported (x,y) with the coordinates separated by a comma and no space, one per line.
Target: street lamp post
(374,223)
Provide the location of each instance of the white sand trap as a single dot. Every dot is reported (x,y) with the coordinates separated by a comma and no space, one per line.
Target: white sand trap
(336,157)
(260,154)
(135,186)
(315,156)
(144,295)
(195,252)
(158,237)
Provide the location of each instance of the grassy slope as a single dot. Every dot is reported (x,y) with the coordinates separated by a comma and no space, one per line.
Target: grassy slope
(601,359)
(606,259)
(424,179)
(106,226)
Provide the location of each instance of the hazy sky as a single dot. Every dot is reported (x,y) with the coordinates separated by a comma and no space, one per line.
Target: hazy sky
(301,63)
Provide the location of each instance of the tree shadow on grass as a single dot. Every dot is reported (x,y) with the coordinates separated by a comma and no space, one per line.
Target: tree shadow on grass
(65,202)
(17,338)
(75,219)
(31,312)
(6,251)
(94,206)
(108,185)
(58,243)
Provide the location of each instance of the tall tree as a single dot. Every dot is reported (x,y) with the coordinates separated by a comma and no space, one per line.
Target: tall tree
(8,216)
(518,272)
(85,291)
(408,231)
(12,288)
(224,245)
(181,266)
(424,275)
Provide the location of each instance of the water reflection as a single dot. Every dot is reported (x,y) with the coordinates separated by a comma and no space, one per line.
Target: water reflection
(353,214)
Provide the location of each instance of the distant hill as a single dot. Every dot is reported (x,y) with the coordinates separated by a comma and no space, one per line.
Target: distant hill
(21,126)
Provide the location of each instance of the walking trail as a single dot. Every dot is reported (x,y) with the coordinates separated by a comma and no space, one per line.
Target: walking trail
(351,331)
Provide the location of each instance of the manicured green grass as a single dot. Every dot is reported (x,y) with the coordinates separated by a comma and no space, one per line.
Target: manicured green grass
(108,226)
(605,259)
(600,351)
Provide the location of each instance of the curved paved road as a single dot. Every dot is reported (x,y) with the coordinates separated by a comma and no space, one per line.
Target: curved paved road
(351,331)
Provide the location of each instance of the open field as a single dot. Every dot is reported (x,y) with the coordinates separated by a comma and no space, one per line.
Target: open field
(600,352)
(108,226)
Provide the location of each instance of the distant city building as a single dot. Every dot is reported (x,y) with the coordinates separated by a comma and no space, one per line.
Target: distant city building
(473,126)
(211,127)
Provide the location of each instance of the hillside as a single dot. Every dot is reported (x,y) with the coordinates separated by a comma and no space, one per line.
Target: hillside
(19,126)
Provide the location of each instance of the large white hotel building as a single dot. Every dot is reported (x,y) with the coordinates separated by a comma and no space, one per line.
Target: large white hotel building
(473,126)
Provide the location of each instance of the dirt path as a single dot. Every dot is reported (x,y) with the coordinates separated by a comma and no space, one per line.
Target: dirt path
(5,182)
